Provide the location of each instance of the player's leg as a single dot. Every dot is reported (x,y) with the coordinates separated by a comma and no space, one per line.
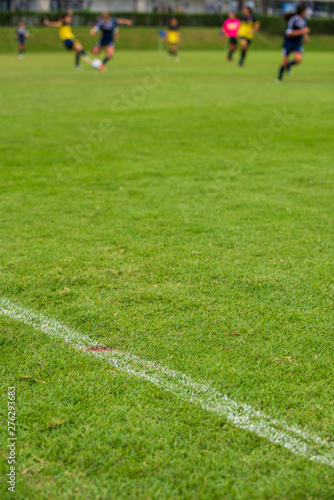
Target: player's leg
(173,50)
(176,53)
(96,49)
(283,66)
(69,45)
(80,52)
(21,48)
(244,47)
(231,49)
(110,50)
(297,59)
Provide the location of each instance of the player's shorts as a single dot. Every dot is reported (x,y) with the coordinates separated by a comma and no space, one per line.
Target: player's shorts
(68,43)
(105,42)
(248,40)
(22,40)
(290,47)
(233,40)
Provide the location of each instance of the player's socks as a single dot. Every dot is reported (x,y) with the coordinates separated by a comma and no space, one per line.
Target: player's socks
(242,57)
(229,56)
(280,72)
(86,58)
(105,60)
(289,66)
(77,60)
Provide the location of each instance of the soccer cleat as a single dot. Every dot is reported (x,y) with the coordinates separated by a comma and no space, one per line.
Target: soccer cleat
(77,67)
(102,67)
(289,71)
(278,80)
(87,59)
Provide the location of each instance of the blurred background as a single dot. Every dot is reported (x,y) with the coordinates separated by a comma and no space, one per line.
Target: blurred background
(323,8)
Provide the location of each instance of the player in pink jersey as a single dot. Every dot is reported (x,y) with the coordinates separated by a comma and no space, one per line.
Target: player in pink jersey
(230,28)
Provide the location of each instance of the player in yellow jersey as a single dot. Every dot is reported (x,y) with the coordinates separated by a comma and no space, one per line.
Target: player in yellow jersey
(173,38)
(66,35)
(248,26)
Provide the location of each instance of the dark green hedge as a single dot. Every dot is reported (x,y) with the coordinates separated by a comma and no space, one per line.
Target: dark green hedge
(269,24)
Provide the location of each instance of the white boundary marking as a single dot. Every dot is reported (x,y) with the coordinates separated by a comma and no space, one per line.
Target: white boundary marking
(295,439)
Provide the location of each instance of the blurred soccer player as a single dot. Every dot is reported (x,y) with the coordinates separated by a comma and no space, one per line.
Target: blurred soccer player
(173,38)
(22,35)
(295,33)
(230,29)
(108,27)
(67,37)
(248,26)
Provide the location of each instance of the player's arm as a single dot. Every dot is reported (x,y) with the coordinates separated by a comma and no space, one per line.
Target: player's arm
(256,27)
(124,22)
(94,30)
(306,38)
(303,31)
(294,30)
(223,31)
(51,24)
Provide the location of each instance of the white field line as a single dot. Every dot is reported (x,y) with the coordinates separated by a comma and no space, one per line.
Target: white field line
(297,440)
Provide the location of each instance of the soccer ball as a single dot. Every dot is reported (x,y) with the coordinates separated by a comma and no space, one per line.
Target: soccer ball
(96,63)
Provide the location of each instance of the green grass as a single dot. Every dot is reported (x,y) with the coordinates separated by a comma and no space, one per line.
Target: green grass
(199,215)
(136,38)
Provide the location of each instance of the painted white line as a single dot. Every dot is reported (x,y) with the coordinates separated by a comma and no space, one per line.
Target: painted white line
(297,440)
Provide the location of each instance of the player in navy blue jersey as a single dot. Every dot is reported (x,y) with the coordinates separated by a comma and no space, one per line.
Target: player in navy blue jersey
(108,26)
(296,33)
(22,35)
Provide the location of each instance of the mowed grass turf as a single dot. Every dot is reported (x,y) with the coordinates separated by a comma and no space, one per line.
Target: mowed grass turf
(190,224)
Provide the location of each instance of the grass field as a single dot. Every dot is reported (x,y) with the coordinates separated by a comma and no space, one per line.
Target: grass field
(186,218)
